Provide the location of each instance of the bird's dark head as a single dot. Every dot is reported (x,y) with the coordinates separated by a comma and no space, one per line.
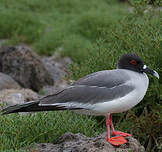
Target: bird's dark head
(135,63)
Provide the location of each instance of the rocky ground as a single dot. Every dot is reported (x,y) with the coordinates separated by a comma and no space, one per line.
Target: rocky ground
(26,76)
(79,143)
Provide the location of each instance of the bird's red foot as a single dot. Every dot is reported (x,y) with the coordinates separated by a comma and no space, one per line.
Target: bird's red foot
(114,133)
(117,141)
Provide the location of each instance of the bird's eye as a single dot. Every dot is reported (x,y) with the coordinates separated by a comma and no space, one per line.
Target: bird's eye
(133,62)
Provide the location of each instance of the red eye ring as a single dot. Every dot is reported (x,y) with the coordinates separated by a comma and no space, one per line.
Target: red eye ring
(133,62)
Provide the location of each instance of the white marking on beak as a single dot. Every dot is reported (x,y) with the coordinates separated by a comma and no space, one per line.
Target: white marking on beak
(144,67)
(156,74)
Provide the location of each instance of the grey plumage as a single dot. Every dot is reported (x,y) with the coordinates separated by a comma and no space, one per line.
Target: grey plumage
(87,94)
(106,78)
(96,87)
(100,86)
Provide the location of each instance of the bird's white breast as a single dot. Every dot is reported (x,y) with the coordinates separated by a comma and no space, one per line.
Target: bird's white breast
(140,82)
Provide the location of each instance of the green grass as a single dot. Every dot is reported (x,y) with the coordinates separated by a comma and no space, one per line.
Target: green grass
(19,131)
(49,26)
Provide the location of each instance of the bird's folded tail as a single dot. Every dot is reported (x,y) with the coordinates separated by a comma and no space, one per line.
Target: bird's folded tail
(25,107)
(33,106)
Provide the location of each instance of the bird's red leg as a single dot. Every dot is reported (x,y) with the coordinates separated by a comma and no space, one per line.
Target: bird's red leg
(116,141)
(108,127)
(111,123)
(114,133)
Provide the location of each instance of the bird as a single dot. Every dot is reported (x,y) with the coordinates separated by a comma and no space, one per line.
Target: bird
(101,93)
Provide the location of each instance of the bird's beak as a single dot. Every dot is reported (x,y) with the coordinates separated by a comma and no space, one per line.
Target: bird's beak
(150,71)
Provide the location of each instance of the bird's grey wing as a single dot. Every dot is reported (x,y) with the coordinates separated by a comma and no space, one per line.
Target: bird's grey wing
(107,78)
(80,96)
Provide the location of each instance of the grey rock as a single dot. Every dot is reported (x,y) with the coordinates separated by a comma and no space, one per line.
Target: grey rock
(3,42)
(57,66)
(17,96)
(24,66)
(47,90)
(79,143)
(6,82)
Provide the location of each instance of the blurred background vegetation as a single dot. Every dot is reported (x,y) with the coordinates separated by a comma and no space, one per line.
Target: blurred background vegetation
(94,34)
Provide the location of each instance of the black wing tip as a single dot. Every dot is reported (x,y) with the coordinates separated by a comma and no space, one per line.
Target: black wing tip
(15,108)
(8,110)
(25,108)
(4,113)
